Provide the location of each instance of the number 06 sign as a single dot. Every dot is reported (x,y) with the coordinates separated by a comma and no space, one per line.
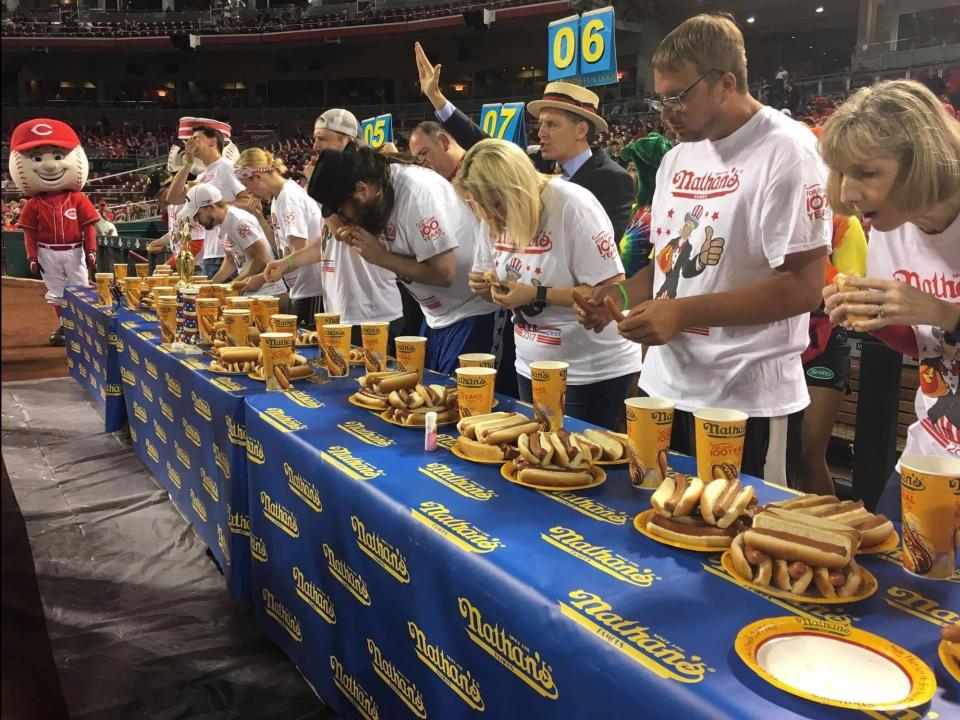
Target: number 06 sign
(583,49)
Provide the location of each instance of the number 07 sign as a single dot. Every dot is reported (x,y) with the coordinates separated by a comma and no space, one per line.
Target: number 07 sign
(582,49)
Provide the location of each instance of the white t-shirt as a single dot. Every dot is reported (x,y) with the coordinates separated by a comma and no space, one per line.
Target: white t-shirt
(429,218)
(239,231)
(761,190)
(574,246)
(930,263)
(197,231)
(296,213)
(219,174)
(106,228)
(358,290)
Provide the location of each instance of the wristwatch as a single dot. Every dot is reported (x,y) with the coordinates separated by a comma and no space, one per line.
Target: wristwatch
(540,303)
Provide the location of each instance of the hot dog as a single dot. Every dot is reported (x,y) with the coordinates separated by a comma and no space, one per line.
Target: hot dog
(840,280)
(407,417)
(483,451)
(690,531)
(552,477)
(723,501)
(467,426)
(614,445)
(238,354)
(370,398)
(553,459)
(796,537)
(394,381)
(873,529)
(596,452)
(492,436)
(677,495)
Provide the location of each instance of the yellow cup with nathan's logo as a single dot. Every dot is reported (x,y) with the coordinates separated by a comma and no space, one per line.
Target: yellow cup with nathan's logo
(282,323)
(719,439)
(930,498)
(103,281)
(263,307)
(120,271)
(237,321)
(166,306)
(241,303)
(475,390)
(548,380)
(336,349)
(142,269)
(649,424)
(208,309)
(277,351)
(411,353)
(375,337)
(133,286)
(478,360)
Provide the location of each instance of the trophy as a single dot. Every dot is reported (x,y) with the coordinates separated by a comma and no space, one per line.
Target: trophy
(187,328)
(185,258)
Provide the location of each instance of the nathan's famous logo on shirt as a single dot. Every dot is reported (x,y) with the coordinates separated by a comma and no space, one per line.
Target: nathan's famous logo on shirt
(139,411)
(159,431)
(688,184)
(302,488)
(605,245)
(258,548)
(255,451)
(221,460)
(279,515)
(516,656)
(173,385)
(314,597)
(223,544)
(457,678)
(201,406)
(430,229)
(198,505)
(151,368)
(182,455)
(191,431)
(303,400)
(361,700)
(225,383)
(128,377)
(380,551)
(283,616)
(361,432)
(238,523)
(147,392)
(936,284)
(346,576)
(209,484)
(235,431)
(114,389)
(633,639)
(460,532)
(349,464)
(460,484)
(539,245)
(280,420)
(174,476)
(913,603)
(816,201)
(402,687)
(151,450)
(597,556)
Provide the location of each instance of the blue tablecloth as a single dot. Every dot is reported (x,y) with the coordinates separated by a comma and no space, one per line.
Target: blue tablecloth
(414,584)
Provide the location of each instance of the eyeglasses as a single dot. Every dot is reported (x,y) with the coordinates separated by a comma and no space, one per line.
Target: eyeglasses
(675,103)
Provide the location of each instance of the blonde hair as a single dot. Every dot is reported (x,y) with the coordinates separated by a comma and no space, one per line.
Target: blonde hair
(708,42)
(256,158)
(500,178)
(903,121)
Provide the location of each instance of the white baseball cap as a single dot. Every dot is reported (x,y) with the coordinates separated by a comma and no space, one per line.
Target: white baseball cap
(338,120)
(199,196)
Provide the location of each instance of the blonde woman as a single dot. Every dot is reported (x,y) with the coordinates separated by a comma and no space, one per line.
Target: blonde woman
(894,158)
(545,237)
(295,220)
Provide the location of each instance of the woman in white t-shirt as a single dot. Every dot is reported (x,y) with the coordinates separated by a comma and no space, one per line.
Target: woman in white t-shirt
(546,237)
(295,219)
(894,157)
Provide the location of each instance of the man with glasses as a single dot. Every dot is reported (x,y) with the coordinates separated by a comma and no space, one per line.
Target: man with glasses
(741,230)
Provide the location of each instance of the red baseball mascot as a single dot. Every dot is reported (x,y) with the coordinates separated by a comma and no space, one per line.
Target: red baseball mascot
(59,222)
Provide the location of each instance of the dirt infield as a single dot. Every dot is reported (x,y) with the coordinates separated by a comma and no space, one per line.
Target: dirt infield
(26,322)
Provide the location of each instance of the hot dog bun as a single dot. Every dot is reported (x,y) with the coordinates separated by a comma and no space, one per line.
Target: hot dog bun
(723,501)
(613,445)
(873,529)
(795,537)
(467,425)
(677,495)
(239,354)
(479,450)
(690,531)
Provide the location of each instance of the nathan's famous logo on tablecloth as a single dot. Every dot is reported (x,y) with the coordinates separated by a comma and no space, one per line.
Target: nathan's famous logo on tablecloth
(223,544)
(255,452)
(128,324)
(159,431)
(86,355)
(68,324)
(314,597)
(402,687)
(593,509)
(89,320)
(98,347)
(258,548)
(597,556)
(380,551)
(361,432)
(165,409)
(225,383)
(70,363)
(913,603)
(510,652)
(147,391)
(133,432)
(96,366)
(635,640)
(446,441)
(221,460)
(103,393)
(120,345)
(238,523)
(193,364)
(174,476)
(190,431)
(460,484)
(460,532)
(209,484)
(280,420)
(93,382)
(74,346)
(128,377)
(151,368)
(182,455)
(83,370)
(302,488)
(201,406)
(279,515)
(456,677)
(236,432)
(139,411)
(114,389)
(349,464)
(283,616)
(198,505)
(112,340)
(173,385)
(810,610)
(354,692)
(304,400)
(346,576)
(134,355)
(101,330)
(88,338)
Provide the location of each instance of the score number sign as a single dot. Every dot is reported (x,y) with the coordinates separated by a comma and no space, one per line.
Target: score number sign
(377,130)
(504,121)
(582,49)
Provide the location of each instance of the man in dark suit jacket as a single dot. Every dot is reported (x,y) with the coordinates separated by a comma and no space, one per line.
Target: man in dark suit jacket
(569,121)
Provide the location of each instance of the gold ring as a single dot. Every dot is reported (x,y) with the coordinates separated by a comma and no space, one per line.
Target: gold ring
(880,312)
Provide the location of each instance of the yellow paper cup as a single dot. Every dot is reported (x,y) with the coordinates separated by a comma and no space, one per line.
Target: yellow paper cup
(374,336)
(166,306)
(142,269)
(263,307)
(237,321)
(478,360)
(120,271)
(930,496)
(283,324)
(411,353)
(548,379)
(103,281)
(134,289)
(320,320)
(241,303)
(336,349)
(208,310)
(719,440)
(475,390)
(277,351)
(649,424)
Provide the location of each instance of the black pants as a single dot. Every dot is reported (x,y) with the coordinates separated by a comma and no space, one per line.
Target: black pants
(305,309)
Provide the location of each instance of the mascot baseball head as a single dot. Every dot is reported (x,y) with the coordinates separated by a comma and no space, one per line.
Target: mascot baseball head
(46,157)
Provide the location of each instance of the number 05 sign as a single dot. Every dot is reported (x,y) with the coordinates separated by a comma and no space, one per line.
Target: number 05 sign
(583,49)
(376,131)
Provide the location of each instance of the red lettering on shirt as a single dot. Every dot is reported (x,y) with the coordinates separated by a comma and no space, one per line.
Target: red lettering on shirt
(70,213)
(605,246)
(688,184)
(430,229)
(937,284)
(244,230)
(816,202)
(538,246)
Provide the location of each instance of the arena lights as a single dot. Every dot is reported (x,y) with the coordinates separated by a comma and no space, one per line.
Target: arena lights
(819,8)
(751,19)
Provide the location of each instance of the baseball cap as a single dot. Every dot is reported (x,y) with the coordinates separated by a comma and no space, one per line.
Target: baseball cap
(338,120)
(43,131)
(199,196)
(332,180)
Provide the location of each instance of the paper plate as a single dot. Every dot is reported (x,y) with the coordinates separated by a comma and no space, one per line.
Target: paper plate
(621,461)
(640,525)
(383,416)
(891,543)
(951,665)
(463,456)
(260,378)
(353,401)
(509,472)
(226,372)
(836,665)
(867,588)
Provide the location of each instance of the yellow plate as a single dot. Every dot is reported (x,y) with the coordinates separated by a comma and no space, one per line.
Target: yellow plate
(640,525)
(463,456)
(225,372)
(837,665)
(621,461)
(353,401)
(891,543)
(509,472)
(867,588)
(383,416)
(951,665)
(260,378)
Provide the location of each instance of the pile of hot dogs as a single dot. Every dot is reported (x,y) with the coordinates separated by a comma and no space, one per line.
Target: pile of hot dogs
(405,399)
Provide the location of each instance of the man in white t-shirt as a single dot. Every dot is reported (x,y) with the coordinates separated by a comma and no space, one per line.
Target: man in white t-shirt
(741,228)
(171,239)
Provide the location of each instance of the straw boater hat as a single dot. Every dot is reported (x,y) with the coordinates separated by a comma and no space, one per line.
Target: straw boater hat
(572,98)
